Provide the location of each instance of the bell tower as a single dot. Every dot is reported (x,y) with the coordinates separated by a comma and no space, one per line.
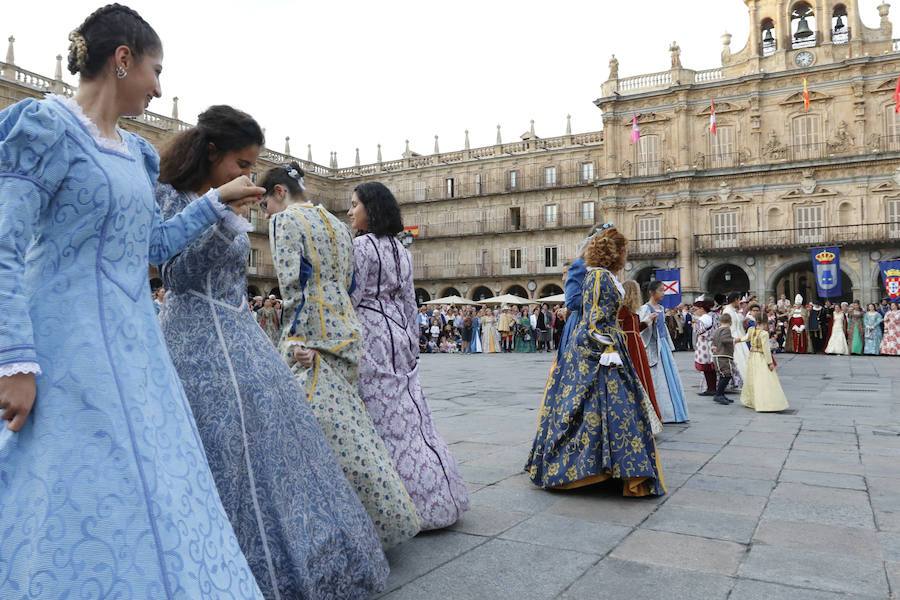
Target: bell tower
(790,34)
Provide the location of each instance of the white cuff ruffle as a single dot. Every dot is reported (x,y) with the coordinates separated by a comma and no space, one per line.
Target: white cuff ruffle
(610,359)
(19,368)
(231,221)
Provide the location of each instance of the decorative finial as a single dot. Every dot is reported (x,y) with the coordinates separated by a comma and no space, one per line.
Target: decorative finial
(175,111)
(467,139)
(532,128)
(309,152)
(10,51)
(379,152)
(287,145)
(406,153)
(437,150)
(58,74)
(568,124)
(357,157)
(335,160)
(499,140)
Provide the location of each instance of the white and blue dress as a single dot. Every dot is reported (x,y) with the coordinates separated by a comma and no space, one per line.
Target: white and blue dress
(105,492)
(303,529)
(664,371)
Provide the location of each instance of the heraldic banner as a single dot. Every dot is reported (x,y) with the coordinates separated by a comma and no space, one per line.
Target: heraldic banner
(671,281)
(827,269)
(890,275)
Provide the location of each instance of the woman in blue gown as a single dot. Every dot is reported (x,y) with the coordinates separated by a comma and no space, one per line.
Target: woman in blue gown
(574,281)
(105,491)
(300,524)
(596,422)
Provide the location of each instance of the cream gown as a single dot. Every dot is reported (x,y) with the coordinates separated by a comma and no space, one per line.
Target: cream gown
(837,343)
(762,390)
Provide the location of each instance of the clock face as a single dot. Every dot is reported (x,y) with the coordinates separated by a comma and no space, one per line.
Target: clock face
(804,59)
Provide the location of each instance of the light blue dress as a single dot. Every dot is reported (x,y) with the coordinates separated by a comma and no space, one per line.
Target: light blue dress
(303,529)
(106,492)
(663,370)
(873,333)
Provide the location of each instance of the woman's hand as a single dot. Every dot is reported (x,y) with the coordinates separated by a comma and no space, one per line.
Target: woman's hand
(304,356)
(16,399)
(240,192)
(771,366)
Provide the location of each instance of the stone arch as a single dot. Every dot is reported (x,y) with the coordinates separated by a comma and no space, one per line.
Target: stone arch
(793,264)
(253,291)
(726,276)
(845,213)
(550,289)
(517,290)
(275,291)
(449,291)
(481,292)
(422,296)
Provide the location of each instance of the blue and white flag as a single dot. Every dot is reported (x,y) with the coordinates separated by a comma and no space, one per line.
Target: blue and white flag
(827,270)
(671,282)
(890,275)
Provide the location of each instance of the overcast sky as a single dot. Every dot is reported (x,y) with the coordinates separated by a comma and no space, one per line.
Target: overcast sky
(344,74)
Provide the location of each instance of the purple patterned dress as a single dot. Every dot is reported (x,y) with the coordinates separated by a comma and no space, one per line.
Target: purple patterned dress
(389,381)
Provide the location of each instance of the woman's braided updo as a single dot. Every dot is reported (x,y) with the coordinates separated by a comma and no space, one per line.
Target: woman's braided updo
(107,28)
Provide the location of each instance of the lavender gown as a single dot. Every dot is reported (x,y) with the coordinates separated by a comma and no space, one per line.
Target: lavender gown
(389,381)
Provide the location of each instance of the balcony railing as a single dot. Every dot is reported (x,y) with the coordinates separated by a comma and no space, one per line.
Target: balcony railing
(860,234)
(653,248)
(508,224)
(264,270)
(889,143)
(810,42)
(722,160)
(487,270)
(808,151)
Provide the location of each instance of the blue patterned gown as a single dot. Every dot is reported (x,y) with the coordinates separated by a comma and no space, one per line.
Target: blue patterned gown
(106,492)
(574,282)
(663,370)
(300,524)
(592,425)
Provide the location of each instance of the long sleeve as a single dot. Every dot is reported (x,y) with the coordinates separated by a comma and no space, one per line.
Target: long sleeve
(574,283)
(409,302)
(169,237)
(363,257)
(286,240)
(764,342)
(646,326)
(187,270)
(602,308)
(34,160)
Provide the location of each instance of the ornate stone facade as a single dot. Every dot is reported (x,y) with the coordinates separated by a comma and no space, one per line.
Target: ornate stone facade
(738,210)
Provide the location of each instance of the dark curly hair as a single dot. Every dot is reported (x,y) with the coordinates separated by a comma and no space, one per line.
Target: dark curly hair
(607,250)
(107,28)
(184,162)
(381,207)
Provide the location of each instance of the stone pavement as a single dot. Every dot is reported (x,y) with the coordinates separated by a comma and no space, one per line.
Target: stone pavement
(798,506)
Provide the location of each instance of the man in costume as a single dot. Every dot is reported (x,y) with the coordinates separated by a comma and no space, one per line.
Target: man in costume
(816,327)
(703,356)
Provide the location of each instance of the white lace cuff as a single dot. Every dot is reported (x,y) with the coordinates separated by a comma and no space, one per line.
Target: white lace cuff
(609,359)
(603,338)
(231,221)
(18,368)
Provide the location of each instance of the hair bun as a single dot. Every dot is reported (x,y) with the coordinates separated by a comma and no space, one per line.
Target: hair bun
(296,166)
(78,52)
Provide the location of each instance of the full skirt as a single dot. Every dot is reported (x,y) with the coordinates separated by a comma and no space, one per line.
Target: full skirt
(762,389)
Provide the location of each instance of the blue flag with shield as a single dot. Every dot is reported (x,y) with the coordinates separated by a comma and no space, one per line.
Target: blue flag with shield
(827,270)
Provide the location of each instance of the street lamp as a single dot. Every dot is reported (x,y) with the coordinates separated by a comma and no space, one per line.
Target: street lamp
(727,275)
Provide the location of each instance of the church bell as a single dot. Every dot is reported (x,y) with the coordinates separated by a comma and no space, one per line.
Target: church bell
(768,38)
(803,30)
(839,24)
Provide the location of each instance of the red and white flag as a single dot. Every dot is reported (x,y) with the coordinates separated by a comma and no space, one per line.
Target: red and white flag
(897,97)
(635,130)
(713,127)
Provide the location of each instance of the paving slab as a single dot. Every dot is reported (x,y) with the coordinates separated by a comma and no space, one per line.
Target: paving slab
(747,589)
(681,551)
(568,534)
(731,485)
(702,523)
(614,579)
(818,478)
(817,570)
(503,570)
(849,541)
(426,552)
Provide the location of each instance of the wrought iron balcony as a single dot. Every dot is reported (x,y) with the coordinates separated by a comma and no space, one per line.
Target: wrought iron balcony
(653,248)
(263,270)
(487,270)
(508,224)
(860,234)
(809,151)
(722,160)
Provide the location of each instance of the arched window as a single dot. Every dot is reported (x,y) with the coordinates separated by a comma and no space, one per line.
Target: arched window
(891,140)
(803,26)
(840,26)
(769,43)
(806,137)
(648,160)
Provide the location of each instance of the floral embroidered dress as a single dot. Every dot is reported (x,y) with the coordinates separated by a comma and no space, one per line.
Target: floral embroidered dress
(872,323)
(106,491)
(268,320)
(890,343)
(299,522)
(855,331)
(385,301)
(490,336)
(594,423)
(313,255)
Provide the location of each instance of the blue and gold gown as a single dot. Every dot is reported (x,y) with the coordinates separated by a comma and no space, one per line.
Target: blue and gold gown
(593,425)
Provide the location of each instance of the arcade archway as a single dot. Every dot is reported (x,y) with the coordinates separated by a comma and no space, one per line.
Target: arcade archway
(517,290)
(482,293)
(799,279)
(551,289)
(449,291)
(726,278)
(422,296)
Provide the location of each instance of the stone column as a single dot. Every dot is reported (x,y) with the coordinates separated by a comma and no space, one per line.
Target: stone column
(755,31)
(611,134)
(684,136)
(684,213)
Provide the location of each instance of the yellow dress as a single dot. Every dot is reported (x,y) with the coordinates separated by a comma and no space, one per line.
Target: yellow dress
(762,390)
